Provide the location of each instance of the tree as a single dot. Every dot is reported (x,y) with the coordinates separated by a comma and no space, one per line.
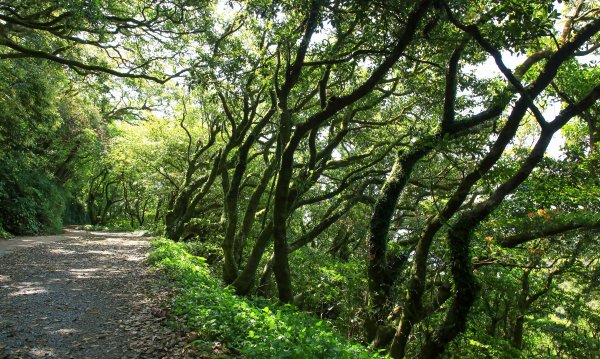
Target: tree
(358,143)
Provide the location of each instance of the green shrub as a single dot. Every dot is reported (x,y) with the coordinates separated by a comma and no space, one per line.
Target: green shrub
(75,212)
(3,233)
(255,327)
(107,228)
(212,252)
(30,201)
(330,288)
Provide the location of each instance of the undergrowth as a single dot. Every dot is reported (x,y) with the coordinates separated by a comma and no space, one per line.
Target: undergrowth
(255,327)
(4,234)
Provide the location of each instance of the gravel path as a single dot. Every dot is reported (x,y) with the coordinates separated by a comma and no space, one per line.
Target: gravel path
(85,296)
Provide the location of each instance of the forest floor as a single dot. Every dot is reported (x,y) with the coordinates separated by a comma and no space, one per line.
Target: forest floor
(83,295)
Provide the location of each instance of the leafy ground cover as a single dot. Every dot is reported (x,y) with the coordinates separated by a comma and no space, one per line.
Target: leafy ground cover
(254,327)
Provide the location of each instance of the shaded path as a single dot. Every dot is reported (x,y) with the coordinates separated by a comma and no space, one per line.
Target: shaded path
(7,246)
(85,296)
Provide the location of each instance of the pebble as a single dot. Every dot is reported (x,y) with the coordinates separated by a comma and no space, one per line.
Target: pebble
(94,293)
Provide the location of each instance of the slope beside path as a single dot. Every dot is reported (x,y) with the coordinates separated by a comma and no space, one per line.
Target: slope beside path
(81,295)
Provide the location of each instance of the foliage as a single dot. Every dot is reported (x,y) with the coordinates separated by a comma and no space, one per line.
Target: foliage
(332,289)
(31,202)
(255,327)
(422,176)
(30,199)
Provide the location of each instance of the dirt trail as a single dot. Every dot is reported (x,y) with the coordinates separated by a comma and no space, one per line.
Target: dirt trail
(7,246)
(80,295)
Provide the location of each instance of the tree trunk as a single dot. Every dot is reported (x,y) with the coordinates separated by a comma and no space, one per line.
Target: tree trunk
(517,339)
(379,280)
(245,280)
(466,291)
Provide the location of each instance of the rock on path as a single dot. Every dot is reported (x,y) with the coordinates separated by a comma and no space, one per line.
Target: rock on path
(85,296)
